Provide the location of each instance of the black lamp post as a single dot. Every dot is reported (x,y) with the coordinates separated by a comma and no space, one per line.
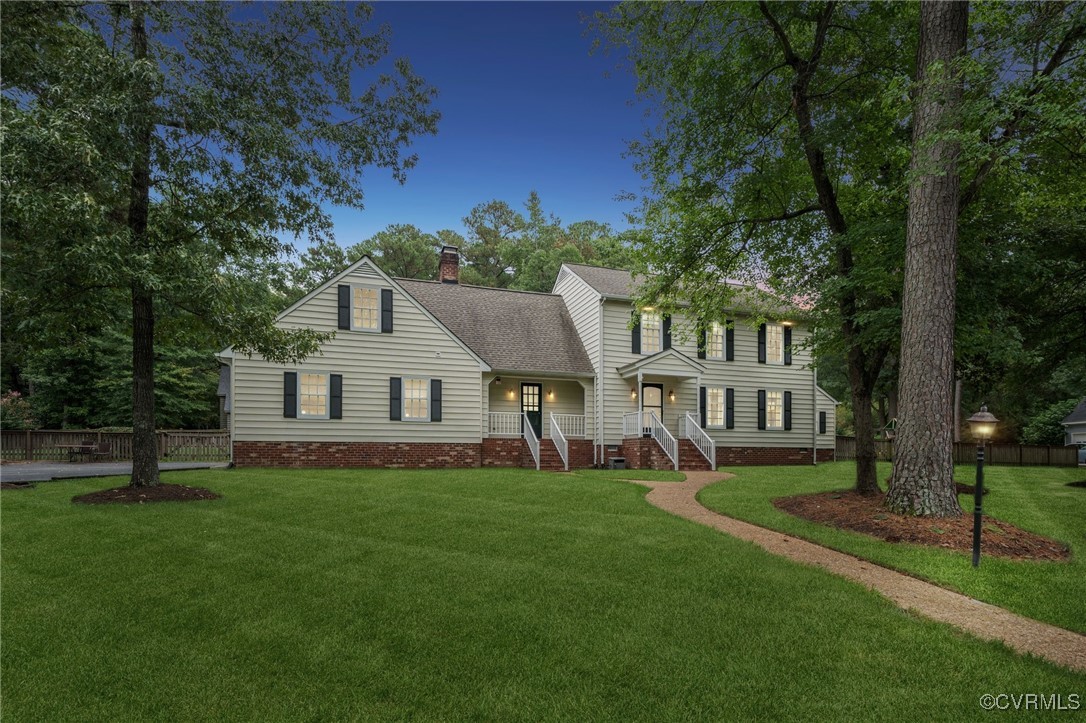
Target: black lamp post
(982,425)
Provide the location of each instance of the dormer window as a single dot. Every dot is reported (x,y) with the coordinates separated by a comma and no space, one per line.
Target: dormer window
(652,332)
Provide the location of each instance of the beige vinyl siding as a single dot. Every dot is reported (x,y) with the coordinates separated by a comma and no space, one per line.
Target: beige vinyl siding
(582,302)
(825,404)
(569,398)
(744,374)
(418,347)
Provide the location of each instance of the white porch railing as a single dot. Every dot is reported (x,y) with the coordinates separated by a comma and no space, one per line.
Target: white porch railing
(571,425)
(531,439)
(559,440)
(664,438)
(631,425)
(690,429)
(504,424)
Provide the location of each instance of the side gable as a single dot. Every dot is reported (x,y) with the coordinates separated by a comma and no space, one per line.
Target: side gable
(362,271)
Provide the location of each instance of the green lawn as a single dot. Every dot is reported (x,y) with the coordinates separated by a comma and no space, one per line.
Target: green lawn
(1033,498)
(486,594)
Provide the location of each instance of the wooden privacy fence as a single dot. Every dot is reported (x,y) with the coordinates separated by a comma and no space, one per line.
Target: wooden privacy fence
(175,445)
(966,453)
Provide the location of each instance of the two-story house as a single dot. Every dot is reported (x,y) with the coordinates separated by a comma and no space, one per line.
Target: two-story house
(443,374)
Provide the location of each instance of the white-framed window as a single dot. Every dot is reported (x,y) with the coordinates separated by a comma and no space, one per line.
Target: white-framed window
(714,341)
(652,332)
(416,399)
(313,395)
(365,308)
(774,344)
(774,409)
(714,406)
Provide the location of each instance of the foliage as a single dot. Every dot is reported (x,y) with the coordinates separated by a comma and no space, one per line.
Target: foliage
(16,412)
(1045,427)
(457,594)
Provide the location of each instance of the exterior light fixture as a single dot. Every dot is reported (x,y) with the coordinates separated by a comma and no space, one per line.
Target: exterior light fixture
(633,393)
(982,425)
(787,323)
(550,393)
(671,396)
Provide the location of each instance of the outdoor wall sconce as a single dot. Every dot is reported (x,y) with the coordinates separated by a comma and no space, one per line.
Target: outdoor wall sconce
(511,393)
(671,396)
(633,394)
(983,425)
(550,394)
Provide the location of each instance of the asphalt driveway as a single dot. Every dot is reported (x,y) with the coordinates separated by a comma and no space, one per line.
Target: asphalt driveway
(43,471)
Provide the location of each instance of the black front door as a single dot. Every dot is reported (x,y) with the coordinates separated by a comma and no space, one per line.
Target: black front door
(531,403)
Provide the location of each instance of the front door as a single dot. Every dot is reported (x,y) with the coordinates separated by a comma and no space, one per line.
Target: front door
(652,400)
(531,404)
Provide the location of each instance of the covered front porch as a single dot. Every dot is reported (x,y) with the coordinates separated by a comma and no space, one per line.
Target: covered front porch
(663,404)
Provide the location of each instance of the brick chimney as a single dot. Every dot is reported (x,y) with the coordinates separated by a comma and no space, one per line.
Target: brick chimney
(449,272)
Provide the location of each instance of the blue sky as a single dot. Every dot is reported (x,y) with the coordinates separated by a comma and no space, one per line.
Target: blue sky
(524,106)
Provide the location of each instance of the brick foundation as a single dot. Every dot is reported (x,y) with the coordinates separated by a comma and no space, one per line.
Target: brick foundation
(645,453)
(503,451)
(492,452)
(414,455)
(742,456)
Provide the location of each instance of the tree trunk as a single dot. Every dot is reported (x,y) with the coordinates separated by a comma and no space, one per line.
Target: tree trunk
(923,478)
(144,444)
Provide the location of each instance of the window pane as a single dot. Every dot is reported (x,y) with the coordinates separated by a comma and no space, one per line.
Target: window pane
(774,344)
(651,329)
(714,406)
(774,410)
(715,341)
(313,395)
(416,398)
(366,308)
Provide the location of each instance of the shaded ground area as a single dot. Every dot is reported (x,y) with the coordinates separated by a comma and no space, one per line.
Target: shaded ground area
(1080,483)
(44,471)
(140,495)
(845,509)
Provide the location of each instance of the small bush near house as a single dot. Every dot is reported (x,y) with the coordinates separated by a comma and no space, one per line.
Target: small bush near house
(16,412)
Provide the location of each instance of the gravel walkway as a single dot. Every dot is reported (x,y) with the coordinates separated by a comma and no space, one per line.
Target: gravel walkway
(989,622)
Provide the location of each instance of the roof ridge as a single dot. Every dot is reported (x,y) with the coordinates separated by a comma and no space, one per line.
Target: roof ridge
(477,286)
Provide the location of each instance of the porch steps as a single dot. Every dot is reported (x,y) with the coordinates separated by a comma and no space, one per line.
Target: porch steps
(690,457)
(549,459)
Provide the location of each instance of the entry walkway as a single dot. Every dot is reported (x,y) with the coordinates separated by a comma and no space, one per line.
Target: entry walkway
(989,622)
(44,471)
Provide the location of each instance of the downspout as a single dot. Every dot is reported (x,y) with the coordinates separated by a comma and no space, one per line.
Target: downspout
(599,390)
(814,421)
(233,408)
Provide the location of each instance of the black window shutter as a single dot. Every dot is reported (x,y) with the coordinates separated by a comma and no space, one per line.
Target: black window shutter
(386,311)
(344,306)
(729,342)
(395,398)
(821,422)
(788,410)
(729,408)
(701,406)
(701,352)
(761,344)
(335,392)
(787,345)
(435,400)
(635,333)
(290,394)
(761,409)
(667,331)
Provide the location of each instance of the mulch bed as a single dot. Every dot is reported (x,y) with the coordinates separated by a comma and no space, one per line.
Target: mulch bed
(848,510)
(16,485)
(140,495)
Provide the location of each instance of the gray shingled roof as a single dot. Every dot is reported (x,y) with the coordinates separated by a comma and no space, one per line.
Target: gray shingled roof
(609,282)
(1077,415)
(511,330)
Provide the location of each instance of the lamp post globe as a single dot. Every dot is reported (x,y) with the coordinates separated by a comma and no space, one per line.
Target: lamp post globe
(982,424)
